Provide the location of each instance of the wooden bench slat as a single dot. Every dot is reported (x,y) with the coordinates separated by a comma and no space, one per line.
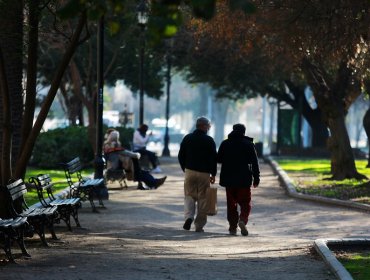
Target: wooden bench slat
(38,217)
(85,188)
(66,207)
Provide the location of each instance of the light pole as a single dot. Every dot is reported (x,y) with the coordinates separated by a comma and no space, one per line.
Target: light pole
(166,150)
(99,161)
(142,18)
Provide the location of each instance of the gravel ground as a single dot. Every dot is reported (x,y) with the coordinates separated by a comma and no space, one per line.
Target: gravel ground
(140,236)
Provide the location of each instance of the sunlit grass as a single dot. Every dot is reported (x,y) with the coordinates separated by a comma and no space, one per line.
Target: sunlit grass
(312,176)
(358,265)
(58,177)
(305,165)
(319,167)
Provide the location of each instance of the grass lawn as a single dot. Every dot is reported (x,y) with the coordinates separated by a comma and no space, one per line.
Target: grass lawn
(356,263)
(57,176)
(312,176)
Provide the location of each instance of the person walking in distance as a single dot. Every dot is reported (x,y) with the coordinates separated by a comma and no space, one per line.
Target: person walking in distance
(198,159)
(239,170)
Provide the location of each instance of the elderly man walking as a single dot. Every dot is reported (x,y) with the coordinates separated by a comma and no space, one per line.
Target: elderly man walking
(198,159)
(239,170)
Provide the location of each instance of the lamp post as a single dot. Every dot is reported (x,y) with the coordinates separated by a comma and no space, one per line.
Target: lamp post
(142,18)
(166,150)
(99,161)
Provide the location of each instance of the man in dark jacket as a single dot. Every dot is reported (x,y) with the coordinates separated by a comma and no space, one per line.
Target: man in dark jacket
(197,158)
(239,170)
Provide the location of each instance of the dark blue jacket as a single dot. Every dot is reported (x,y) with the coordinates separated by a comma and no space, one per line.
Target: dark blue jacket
(198,152)
(239,161)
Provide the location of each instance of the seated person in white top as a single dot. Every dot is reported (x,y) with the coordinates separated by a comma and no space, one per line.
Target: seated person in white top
(140,141)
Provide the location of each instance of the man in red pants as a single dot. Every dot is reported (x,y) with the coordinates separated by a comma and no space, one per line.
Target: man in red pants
(239,170)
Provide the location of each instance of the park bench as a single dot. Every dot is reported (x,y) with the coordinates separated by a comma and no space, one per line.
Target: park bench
(84,188)
(38,217)
(67,207)
(14,230)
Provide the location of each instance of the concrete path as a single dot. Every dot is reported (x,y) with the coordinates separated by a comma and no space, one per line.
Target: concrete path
(140,236)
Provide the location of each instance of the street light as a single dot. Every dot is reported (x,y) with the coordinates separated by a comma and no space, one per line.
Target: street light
(166,150)
(142,18)
(99,161)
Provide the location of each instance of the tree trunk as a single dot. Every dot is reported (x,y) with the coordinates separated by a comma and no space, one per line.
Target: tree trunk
(78,98)
(342,158)
(5,170)
(30,103)
(11,43)
(333,108)
(366,123)
(70,50)
(320,132)
(312,116)
(299,102)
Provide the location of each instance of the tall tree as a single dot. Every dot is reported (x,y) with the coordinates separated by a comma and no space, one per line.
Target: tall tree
(11,42)
(285,34)
(332,64)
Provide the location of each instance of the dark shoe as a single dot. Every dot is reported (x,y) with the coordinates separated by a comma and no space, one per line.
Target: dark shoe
(199,230)
(187,224)
(232,231)
(142,187)
(243,228)
(160,182)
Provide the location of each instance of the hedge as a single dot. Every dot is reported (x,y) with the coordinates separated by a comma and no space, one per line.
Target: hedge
(63,144)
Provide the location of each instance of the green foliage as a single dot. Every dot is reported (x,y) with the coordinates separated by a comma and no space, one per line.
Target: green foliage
(165,16)
(61,145)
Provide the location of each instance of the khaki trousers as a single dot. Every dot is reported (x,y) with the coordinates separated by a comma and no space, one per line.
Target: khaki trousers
(195,188)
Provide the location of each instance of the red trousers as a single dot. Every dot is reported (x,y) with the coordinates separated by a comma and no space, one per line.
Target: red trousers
(235,197)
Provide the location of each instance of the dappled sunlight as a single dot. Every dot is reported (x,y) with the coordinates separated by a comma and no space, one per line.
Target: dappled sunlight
(140,232)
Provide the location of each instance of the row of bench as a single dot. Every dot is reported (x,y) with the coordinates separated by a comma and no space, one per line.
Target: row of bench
(26,220)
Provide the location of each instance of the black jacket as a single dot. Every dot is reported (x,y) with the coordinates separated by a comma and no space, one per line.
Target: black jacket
(198,152)
(239,161)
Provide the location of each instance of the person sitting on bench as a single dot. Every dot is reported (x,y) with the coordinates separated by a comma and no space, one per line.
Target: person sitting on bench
(140,140)
(116,157)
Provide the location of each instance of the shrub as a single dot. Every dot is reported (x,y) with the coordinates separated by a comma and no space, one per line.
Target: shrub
(63,144)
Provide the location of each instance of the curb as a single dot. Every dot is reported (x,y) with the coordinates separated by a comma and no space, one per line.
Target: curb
(321,245)
(290,187)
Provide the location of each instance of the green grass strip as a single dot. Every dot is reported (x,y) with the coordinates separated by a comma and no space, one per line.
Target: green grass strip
(358,265)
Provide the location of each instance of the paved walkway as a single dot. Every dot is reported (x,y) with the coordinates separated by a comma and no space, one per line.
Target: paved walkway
(140,236)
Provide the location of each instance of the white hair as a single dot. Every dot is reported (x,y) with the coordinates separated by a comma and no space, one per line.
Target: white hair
(113,136)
